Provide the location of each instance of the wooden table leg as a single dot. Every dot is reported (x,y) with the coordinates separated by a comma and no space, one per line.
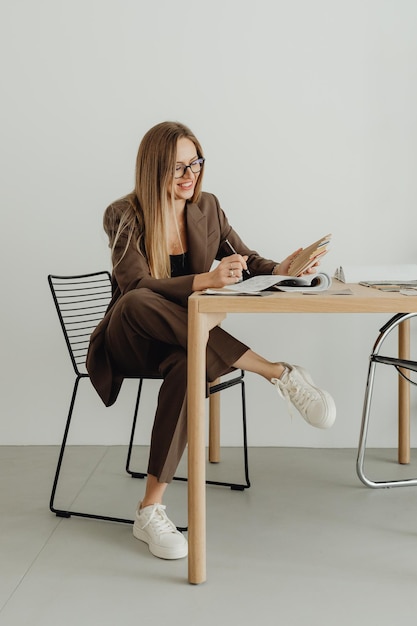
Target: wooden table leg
(404,396)
(197,342)
(198,329)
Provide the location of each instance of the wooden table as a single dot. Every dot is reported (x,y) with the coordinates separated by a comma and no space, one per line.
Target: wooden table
(205,311)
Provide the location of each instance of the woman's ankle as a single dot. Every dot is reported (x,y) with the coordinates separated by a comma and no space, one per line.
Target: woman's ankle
(146,503)
(278,370)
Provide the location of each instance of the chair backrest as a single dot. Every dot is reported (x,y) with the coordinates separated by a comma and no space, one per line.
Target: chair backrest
(81,302)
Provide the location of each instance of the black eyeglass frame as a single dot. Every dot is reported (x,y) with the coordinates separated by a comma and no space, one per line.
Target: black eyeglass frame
(200,161)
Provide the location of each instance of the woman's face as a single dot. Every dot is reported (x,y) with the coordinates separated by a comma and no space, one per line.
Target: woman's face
(185,184)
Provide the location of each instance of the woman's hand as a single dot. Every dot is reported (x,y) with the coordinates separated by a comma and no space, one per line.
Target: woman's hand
(284,266)
(227,272)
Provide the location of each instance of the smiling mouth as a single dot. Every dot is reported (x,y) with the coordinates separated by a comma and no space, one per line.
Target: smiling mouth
(187,186)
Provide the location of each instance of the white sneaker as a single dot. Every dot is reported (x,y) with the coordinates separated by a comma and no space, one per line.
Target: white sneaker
(154,528)
(316,406)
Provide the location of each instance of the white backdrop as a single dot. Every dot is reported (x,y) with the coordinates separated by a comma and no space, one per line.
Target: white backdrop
(307,114)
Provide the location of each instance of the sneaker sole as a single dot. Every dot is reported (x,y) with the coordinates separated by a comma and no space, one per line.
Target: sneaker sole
(161,552)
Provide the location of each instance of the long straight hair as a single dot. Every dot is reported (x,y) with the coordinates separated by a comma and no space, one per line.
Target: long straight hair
(145,216)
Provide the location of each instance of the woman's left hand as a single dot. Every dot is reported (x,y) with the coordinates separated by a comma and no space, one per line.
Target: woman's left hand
(284,266)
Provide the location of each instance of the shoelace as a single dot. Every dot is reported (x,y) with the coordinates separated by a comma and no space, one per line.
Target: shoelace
(159,520)
(295,395)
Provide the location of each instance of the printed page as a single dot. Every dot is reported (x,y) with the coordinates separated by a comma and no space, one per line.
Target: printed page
(257,284)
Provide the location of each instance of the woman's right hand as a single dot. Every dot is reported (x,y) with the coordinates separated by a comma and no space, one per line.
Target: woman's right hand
(227,272)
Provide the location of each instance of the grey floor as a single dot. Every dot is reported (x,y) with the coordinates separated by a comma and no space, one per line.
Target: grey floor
(306,544)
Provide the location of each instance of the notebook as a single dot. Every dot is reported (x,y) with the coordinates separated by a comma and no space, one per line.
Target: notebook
(308,256)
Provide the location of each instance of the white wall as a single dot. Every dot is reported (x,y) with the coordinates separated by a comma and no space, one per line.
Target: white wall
(307,113)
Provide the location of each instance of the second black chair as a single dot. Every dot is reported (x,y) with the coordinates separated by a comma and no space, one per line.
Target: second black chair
(404,367)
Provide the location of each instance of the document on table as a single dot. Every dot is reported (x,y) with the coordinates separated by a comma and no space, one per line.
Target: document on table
(259,285)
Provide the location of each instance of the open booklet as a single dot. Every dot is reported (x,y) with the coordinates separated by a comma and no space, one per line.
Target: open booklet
(262,285)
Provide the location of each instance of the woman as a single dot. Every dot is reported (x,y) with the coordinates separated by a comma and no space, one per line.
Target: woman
(164,237)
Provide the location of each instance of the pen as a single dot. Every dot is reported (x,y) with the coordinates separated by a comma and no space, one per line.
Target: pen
(231,248)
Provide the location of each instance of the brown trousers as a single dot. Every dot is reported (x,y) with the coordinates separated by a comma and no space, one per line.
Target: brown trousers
(147,334)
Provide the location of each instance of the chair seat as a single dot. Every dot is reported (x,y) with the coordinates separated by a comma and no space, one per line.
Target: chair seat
(396,362)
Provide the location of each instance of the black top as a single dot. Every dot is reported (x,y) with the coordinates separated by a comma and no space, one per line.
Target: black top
(179,264)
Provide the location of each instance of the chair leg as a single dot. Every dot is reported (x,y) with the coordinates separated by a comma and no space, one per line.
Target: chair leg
(245,434)
(216,404)
(363,437)
(364,427)
(215,389)
(132,436)
(67,512)
(59,512)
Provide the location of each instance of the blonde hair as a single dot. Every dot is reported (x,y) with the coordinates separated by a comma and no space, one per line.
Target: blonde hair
(144,216)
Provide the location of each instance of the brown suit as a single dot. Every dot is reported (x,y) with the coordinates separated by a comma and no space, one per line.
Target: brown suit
(145,328)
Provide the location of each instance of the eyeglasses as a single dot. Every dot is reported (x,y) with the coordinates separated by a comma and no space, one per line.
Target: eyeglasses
(195,167)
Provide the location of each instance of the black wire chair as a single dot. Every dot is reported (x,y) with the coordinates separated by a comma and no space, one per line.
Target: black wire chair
(402,366)
(81,302)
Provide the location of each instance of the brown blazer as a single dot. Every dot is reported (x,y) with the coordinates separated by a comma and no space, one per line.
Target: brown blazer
(207,228)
